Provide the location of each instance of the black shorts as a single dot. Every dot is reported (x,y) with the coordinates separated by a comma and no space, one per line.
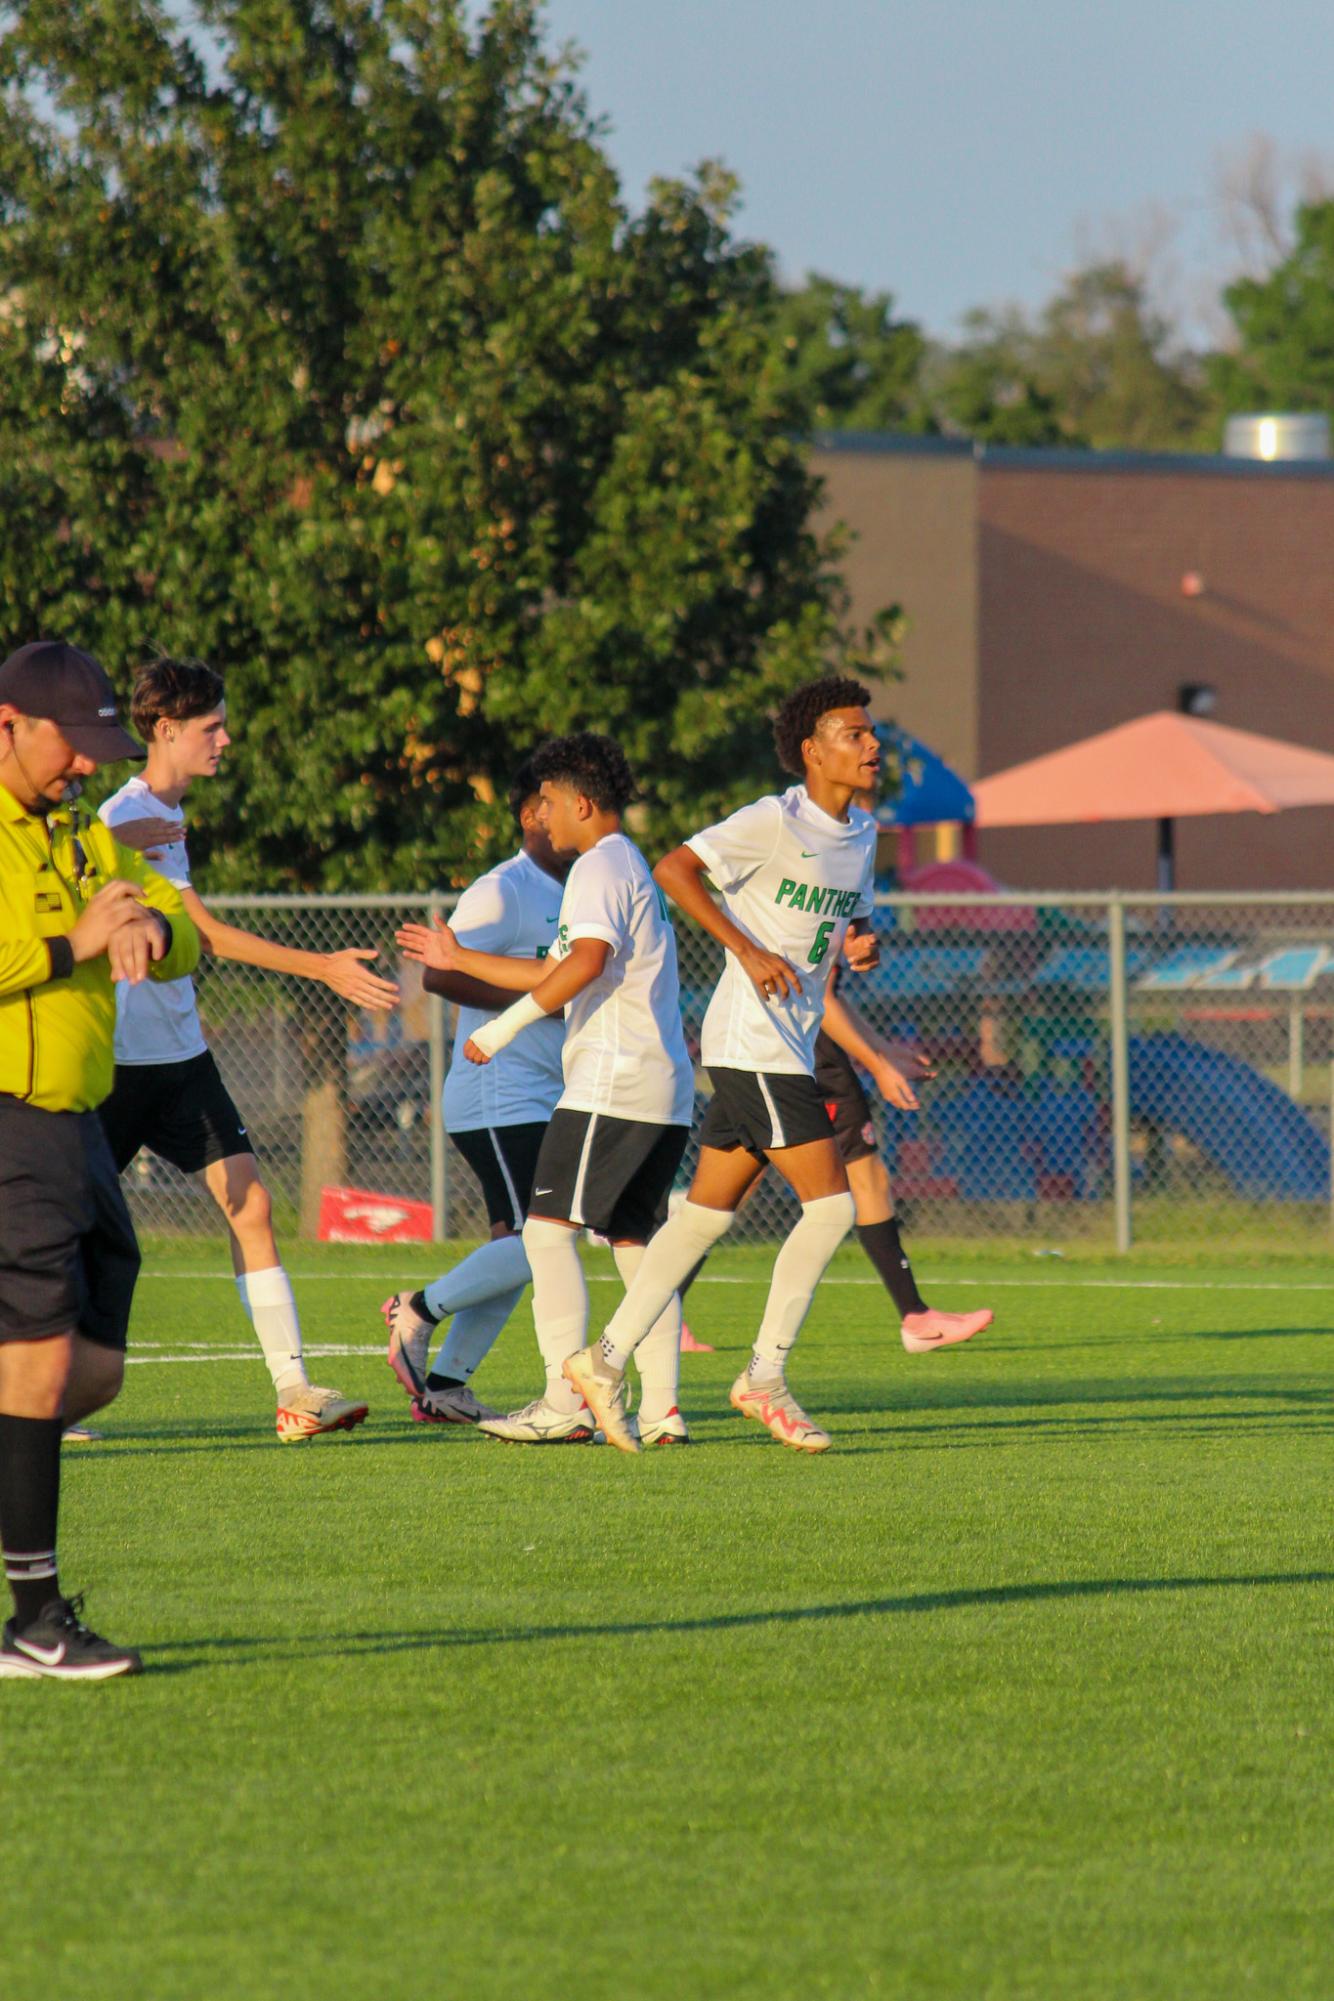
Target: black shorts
(504,1159)
(68,1254)
(763,1112)
(609,1175)
(179,1111)
(844,1100)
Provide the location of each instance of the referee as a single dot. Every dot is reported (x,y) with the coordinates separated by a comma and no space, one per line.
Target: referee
(77,912)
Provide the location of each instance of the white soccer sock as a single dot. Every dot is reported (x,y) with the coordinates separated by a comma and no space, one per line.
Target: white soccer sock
(495,1267)
(266,1297)
(472,1334)
(560,1302)
(798,1269)
(682,1241)
(658,1356)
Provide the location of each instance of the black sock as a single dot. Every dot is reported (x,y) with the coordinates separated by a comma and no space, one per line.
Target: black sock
(435,1382)
(882,1245)
(418,1305)
(29,1504)
(691,1276)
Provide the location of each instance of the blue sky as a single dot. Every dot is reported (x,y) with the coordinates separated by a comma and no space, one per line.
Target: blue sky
(961,152)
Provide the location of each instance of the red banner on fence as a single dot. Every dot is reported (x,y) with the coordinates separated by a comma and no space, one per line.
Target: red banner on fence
(357,1216)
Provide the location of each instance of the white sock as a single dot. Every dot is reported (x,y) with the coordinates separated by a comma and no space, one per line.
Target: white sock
(560,1302)
(472,1334)
(495,1267)
(266,1297)
(658,1356)
(798,1269)
(682,1241)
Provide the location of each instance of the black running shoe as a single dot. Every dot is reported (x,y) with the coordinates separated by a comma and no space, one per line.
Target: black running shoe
(58,1645)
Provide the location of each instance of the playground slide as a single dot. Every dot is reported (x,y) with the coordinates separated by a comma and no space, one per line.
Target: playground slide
(1266,1146)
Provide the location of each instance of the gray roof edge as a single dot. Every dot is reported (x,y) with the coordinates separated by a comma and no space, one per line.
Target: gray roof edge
(1055,458)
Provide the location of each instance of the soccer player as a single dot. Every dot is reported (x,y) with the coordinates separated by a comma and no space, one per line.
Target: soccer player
(844,1039)
(796,874)
(168,1095)
(496,1115)
(79,913)
(619,1131)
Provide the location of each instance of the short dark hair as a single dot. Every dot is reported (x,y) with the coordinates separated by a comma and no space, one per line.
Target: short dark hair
(800,715)
(588,763)
(168,690)
(523,785)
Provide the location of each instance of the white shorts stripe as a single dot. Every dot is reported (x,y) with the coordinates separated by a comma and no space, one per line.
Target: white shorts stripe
(778,1136)
(516,1209)
(585,1157)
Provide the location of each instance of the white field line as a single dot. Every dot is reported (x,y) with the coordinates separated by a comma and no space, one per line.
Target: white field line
(199,1351)
(1060,1283)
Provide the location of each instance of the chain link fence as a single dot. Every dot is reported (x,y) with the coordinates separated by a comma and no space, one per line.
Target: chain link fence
(1113,1070)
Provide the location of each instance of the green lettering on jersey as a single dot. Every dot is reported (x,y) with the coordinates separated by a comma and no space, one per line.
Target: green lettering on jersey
(817,899)
(798,901)
(785,888)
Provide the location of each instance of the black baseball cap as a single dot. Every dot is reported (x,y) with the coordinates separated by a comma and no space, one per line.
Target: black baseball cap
(53,679)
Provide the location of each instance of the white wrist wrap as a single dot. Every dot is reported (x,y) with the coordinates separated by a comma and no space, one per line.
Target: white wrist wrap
(502,1028)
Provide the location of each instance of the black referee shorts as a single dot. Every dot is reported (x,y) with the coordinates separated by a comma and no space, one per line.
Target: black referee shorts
(844,1100)
(68,1254)
(180,1111)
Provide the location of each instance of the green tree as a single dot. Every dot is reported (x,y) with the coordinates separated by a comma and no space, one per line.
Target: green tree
(1106,359)
(858,367)
(988,386)
(331,354)
(1284,357)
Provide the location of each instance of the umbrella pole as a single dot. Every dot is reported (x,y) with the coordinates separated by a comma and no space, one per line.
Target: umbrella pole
(1166,857)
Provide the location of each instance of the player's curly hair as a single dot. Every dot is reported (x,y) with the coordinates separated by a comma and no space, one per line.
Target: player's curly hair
(523,785)
(800,715)
(588,763)
(168,690)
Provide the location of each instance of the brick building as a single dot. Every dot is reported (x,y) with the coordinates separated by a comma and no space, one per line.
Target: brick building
(1045,596)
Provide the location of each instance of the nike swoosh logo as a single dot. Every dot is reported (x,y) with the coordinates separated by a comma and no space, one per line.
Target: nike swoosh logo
(543,1191)
(240,1129)
(809,854)
(48,1656)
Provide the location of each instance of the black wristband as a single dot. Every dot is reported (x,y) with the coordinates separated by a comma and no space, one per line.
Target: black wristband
(61,954)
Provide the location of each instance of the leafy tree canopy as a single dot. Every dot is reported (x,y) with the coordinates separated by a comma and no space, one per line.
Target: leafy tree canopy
(330,353)
(1284,357)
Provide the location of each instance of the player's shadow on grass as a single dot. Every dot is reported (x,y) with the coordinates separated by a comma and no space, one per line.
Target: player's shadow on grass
(988,1415)
(1250,1333)
(905,1605)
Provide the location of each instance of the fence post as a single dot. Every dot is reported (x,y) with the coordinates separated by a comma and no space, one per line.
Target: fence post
(439,1150)
(1120,1036)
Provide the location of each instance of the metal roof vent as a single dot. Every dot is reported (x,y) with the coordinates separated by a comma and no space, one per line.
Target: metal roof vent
(1277,435)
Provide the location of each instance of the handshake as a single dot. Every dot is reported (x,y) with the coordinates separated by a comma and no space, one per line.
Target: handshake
(118,923)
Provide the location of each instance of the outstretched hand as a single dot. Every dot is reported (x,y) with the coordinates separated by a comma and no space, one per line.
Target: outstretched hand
(432,945)
(861,950)
(149,836)
(346,973)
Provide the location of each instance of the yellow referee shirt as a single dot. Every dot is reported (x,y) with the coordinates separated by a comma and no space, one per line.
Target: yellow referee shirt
(58,1020)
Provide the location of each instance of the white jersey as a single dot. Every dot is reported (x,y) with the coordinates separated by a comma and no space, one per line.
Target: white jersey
(625,1050)
(512,910)
(790,898)
(157,1021)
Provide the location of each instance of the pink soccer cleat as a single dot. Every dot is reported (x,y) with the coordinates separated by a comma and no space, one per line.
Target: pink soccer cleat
(924,1331)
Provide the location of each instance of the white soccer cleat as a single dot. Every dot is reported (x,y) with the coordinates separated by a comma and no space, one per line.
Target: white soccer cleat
(540,1423)
(924,1331)
(312,1411)
(455,1405)
(774,1406)
(409,1341)
(603,1390)
(669,1430)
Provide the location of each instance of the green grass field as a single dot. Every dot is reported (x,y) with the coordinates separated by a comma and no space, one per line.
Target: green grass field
(1022,1690)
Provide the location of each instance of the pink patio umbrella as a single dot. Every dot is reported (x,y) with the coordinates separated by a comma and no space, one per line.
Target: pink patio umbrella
(1159,767)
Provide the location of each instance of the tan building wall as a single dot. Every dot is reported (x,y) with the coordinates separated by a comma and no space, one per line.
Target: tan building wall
(914,527)
(1079,622)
